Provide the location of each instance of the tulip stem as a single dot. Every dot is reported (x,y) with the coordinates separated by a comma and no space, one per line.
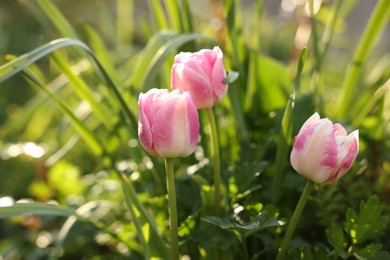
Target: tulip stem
(294,220)
(216,161)
(172,208)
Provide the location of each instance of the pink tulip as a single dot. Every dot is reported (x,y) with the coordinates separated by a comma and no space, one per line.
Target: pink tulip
(323,152)
(201,73)
(168,124)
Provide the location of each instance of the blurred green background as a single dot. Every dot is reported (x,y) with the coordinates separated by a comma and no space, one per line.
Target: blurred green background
(42,157)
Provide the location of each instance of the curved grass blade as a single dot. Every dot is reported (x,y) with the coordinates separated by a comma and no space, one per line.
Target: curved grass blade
(142,219)
(82,90)
(376,24)
(301,63)
(38,102)
(381,92)
(86,210)
(45,209)
(36,209)
(174,10)
(147,55)
(158,15)
(92,142)
(19,64)
(57,18)
(282,147)
(285,135)
(163,53)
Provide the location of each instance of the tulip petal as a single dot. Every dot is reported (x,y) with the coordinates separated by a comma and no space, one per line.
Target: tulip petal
(339,130)
(147,103)
(310,148)
(348,151)
(173,135)
(202,74)
(314,119)
(186,79)
(218,75)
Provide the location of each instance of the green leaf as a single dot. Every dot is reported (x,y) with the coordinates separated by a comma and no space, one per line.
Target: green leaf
(17,65)
(257,224)
(158,15)
(261,222)
(375,25)
(231,77)
(36,209)
(270,83)
(372,251)
(56,17)
(368,223)
(246,172)
(336,238)
(82,89)
(146,228)
(301,63)
(89,138)
(284,141)
(154,66)
(174,14)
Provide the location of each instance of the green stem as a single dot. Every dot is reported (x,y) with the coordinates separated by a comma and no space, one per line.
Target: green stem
(315,34)
(375,25)
(216,161)
(136,221)
(329,31)
(294,220)
(244,249)
(172,209)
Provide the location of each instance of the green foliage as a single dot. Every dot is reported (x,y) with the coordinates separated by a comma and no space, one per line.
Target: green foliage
(368,224)
(360,227)
(241,231)
(94,193)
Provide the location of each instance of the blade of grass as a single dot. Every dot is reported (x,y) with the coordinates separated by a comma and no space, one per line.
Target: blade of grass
(174,14)
(329,31)
(315,37)
(82,90)
(284,141)
(301,63)
(164,52)
(36,209)
(187,17)
(252,82)
(381,92)
(158,15)
(237,56)
(157,246)
(374,27)
(89,138)
(11,68)
(103,54)
(82,214)
(285,135)
(125,21)
(45,209)
(147,55)
(386,114)
(56,17)
(134,216)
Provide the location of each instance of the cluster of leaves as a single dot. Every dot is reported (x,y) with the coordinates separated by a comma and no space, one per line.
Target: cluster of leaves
(113,194)
(357,238)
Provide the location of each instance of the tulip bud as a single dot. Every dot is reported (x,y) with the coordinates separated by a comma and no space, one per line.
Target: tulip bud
(323,152)
(201,73)
(168,124)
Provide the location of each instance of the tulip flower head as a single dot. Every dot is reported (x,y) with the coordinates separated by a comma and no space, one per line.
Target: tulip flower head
(323,152)
(201,73)
(168,124)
